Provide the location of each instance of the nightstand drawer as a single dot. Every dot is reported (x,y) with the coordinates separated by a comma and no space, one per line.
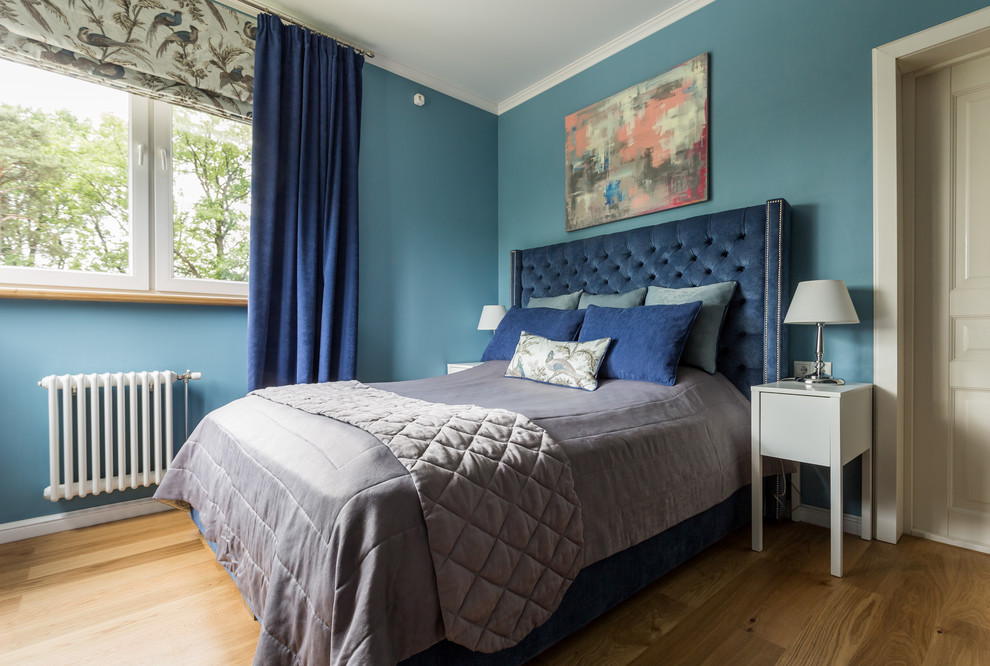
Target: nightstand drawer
(795,427)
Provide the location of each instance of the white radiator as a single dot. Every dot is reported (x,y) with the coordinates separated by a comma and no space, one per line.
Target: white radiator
(109,431)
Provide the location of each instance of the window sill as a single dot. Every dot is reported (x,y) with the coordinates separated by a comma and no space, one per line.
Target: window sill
(120,296)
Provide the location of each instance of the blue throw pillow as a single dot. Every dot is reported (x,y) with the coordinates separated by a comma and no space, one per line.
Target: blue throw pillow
(547,322)
(646,341)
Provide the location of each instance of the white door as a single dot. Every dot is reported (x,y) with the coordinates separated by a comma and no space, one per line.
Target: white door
(951,447)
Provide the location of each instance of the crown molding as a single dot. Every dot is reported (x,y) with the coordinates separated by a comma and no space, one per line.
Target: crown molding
(407,72)
(655,24)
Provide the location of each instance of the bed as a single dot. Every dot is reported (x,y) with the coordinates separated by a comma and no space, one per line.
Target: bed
(320,525)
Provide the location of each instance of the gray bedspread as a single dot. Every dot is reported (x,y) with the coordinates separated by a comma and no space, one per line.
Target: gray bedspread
(320,523)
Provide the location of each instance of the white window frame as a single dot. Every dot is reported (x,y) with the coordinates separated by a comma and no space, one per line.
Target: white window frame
(164,247)
(151,232)
(137,277)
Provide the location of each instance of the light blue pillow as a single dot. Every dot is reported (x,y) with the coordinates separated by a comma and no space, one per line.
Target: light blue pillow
(646,342)
(562,302)
(628,299)
(571,364)
(701,349)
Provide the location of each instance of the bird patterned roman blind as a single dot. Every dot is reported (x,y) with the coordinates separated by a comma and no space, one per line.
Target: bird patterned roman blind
(195,53)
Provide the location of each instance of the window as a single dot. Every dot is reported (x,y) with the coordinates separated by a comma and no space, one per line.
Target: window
(102,190)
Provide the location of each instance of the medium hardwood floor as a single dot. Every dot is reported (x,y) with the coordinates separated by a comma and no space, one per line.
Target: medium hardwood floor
(147,591)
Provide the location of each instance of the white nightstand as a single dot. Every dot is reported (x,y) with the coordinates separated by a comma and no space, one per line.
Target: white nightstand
(825,425)
(457,367)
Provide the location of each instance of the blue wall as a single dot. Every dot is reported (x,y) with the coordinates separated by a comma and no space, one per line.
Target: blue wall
(40,338)
(790,116)
(429,229)
(428,211)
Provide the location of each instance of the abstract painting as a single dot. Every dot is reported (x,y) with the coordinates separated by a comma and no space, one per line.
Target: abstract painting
(642,150)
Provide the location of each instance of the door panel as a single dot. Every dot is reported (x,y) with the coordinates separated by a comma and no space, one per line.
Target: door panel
(952,300)
(972,231)
(972,338)
(971,450)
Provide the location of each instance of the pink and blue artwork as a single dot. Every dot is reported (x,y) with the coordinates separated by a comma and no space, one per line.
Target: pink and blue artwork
(642,150)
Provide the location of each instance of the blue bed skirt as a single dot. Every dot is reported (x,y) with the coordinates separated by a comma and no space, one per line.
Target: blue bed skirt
(607,583)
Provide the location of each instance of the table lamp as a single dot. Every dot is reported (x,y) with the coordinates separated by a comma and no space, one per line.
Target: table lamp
(491,315)
(821,302)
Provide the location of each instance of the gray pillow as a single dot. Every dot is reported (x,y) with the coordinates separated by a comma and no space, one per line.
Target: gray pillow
(562,302)
(701,349)
(629,299)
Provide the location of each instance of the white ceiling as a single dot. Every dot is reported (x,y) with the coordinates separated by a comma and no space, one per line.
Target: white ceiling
(494,54)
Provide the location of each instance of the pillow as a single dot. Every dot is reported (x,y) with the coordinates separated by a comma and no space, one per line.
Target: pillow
(562,302)
(548,322)
(573,364)
(702,345)
(646,341)
(629,299)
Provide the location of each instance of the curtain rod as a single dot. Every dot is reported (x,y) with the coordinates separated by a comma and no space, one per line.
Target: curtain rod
(285,17)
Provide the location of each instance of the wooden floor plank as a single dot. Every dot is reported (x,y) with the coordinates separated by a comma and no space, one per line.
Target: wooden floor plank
(911,605)
(148,591)
(710,571)
(878,563)
(965,600)
(838,629)
(957,643)
(153,636)
(621,635)
(108,596)
(698,635)
(785,611)
(113,564)
(740,649)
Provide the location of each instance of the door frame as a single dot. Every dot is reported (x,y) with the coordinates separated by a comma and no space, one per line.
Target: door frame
(894,67)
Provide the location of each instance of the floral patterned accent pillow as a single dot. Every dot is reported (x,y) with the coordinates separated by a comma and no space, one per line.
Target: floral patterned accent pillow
(572,364)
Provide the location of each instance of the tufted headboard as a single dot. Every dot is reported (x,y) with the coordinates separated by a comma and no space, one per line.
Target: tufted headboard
(747,245)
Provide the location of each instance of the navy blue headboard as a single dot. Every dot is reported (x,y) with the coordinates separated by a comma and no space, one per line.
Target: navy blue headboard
(747,245)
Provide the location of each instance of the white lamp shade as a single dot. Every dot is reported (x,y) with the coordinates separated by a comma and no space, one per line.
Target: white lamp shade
(491,315)
(821,301)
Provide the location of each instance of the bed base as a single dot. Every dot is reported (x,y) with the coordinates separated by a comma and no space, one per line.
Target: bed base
(607,583)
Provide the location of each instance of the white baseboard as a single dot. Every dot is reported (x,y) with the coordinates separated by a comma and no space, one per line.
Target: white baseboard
(59,522)
(823,518)
(969,545)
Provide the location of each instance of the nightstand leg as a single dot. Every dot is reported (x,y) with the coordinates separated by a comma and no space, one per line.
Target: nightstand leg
(835,474)
(757,502)
(756,465)
(867,495)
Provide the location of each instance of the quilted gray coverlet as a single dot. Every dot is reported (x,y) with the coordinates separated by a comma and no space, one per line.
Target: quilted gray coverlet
(503,521)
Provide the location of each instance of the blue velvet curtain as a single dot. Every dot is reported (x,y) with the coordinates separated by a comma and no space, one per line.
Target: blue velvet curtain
(302,308)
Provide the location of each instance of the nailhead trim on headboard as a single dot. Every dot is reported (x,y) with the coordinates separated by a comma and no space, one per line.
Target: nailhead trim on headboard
(780,203)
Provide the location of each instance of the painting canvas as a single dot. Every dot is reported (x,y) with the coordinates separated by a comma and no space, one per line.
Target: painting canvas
(642,150)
